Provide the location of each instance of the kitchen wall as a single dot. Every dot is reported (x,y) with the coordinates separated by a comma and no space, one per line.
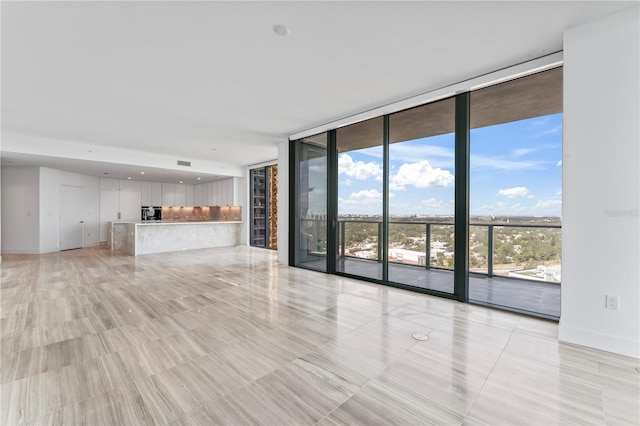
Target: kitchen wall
(31,212)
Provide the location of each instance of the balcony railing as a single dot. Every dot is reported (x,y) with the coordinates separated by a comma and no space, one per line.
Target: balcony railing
(526,251)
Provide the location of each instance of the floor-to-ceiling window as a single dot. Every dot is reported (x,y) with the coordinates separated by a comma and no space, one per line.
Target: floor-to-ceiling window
(516,194)
(310,205)
(421,196)
(459,197)
(360,192)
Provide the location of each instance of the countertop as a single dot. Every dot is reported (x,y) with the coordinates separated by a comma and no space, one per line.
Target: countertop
(193,222)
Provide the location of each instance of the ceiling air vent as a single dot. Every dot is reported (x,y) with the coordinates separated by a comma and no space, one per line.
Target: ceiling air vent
(184,163)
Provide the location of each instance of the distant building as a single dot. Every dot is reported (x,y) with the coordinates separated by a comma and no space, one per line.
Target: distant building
(366,254)
(409,257)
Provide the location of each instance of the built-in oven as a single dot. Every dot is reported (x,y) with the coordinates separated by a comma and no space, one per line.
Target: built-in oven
(151,213)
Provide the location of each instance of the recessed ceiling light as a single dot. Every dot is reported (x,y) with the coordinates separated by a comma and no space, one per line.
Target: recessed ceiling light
(129,178)
(281,30)
(141,173)
(198,178)
(180,181)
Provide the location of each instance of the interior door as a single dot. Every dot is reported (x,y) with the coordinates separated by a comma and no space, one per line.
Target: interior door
(71,217)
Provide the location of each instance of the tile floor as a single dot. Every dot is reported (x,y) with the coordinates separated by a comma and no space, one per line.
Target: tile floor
(228,336)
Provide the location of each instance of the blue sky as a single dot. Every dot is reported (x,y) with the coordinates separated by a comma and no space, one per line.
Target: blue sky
(515,170)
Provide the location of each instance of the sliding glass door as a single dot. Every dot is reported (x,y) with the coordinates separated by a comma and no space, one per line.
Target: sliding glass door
(460,197)
(421,196)
(516,194)
(310,207)
(360,192)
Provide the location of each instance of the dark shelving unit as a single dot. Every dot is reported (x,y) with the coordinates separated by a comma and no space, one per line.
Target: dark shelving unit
(263,207)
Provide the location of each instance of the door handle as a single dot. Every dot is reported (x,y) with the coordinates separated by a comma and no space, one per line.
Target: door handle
(82,221)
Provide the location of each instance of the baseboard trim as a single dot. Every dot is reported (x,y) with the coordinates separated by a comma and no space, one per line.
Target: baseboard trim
(20,251)
(605,342)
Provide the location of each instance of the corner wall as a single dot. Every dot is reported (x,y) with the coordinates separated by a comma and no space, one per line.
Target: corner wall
(20,210)
(283,203)
(601,184)
(241,198)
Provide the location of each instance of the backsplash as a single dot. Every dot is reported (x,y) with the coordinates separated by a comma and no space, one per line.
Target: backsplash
(192,214)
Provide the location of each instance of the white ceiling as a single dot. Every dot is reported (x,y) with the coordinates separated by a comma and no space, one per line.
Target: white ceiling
(181,79)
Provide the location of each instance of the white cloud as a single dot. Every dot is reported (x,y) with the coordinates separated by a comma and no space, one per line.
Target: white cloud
(559,193)
(421,175)
(431,206)
(559,163)
(438,156)
(501,208)
(523,151)
(432,203)
(515,192)
(548,204)
(365,195)
(358,169)
(482,162)
(550,131)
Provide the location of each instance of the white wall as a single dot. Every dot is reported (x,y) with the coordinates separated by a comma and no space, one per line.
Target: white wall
(31,208)
(20,210)
(240,198)
(283,203)
(601,184)
(50,181)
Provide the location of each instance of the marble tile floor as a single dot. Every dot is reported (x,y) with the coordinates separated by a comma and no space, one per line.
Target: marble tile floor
(228,336)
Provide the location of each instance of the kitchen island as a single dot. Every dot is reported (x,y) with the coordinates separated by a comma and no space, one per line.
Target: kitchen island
(136,238)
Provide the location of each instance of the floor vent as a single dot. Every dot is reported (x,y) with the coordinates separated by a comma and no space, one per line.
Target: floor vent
(184,163)
(420,336)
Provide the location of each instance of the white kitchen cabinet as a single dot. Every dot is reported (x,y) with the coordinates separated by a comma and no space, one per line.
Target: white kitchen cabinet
(130,185)
(218,193)
(118,206)
(156,194)
(145,193)
(200,197)
(109,183)
(180,194)
(191,202)
(130,203)
(210,194)
(168,194)
(151,194)
(109,208)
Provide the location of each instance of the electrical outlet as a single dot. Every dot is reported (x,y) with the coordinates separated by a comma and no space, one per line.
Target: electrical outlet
(612,302)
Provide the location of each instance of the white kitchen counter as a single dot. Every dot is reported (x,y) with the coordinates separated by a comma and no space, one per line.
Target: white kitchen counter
(136,238)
